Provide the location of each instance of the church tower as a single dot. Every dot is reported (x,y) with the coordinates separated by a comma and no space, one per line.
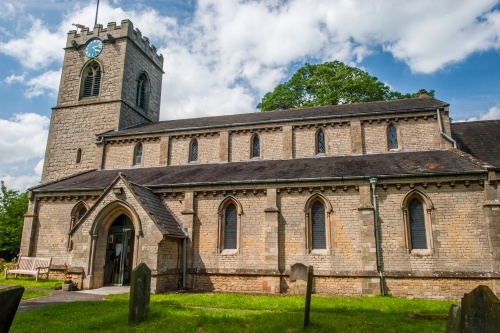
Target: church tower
(111,79)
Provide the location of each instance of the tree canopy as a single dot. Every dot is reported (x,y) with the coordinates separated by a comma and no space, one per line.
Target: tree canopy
(329,83)
(13,206)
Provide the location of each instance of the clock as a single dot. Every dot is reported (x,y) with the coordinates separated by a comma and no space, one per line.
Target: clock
(93,47)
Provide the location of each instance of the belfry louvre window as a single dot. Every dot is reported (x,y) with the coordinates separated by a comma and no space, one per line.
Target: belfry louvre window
(320,142)
(194,151)
(392,137)
(230,227)
(255,146)
(91,80)
(318,229)
(138,154)
(416,216)
(142,92)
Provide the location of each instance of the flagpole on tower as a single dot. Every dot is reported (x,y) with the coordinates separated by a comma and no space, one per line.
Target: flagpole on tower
(96,12)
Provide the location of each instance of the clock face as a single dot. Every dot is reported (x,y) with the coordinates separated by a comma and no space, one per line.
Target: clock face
(93,48)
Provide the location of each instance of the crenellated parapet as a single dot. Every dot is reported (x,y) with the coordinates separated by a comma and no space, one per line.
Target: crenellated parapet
(113,32)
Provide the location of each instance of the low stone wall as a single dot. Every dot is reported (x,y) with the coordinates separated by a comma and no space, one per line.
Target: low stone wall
(436,288)
(77,273)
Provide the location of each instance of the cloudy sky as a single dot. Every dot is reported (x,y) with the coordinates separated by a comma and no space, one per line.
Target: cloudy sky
(222,56)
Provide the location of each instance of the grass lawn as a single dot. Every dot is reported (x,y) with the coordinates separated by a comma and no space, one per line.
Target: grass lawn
(240,313)
(29,282)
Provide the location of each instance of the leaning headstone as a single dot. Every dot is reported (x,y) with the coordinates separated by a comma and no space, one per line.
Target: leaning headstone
(480,312)
(140,289)
(298,279)
(310,275)
(9,301)
(454,319)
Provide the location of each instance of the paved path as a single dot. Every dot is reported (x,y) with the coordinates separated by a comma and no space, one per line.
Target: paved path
(59,296)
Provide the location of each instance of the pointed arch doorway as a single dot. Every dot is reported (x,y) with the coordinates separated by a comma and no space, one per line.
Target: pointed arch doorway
(119,251)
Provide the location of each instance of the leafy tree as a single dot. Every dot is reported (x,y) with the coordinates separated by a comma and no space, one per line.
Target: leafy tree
(329,83)
(13,206)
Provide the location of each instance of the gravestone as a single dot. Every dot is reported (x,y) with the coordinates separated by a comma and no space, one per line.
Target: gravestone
(140,289)
(479,312)
(298,279)
(9,302)
(310,275)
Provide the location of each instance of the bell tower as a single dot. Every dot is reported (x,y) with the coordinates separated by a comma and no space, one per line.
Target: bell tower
(111,78)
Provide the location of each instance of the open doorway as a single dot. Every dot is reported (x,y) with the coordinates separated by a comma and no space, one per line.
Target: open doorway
(119,252)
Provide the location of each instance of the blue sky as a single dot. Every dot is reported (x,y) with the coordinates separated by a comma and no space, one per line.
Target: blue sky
(222,56)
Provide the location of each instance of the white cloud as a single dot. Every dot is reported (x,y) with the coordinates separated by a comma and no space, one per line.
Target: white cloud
(15,78)
(23,137)
(46,83)
(20,183)
(492,114)
(37,48)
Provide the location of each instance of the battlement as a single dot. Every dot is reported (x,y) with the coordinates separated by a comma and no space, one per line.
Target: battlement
(113,32)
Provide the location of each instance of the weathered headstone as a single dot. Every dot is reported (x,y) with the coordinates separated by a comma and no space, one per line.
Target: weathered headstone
(9,302)
(298,279)
(310,275)
(140,289)
(480,312)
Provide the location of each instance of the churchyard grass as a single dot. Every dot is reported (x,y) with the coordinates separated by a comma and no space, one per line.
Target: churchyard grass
(241,313)
(29,281)
(29,294)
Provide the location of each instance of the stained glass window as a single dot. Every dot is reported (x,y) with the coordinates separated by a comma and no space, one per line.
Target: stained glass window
(318,226)
(392,137)
(255,146)
(138,154)
(417,224)
(321,142)
(194,150)
(230,227)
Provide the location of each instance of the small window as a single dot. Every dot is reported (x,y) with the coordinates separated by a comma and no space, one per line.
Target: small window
(230,227)
(193,156)
(320,142)
(138,154)
(78,155)
(142,92)
(255,146)
(392,137)
(91,80)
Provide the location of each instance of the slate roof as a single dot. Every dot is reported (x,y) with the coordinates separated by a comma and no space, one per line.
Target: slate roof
(392,164)
(481,139)
(332,111)
(158,211)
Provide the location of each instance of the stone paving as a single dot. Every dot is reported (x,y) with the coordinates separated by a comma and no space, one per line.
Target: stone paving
(59,296)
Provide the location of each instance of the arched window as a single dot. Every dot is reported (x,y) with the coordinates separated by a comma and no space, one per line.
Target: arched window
(417,211)
(193,151)
(78,155)
(142,92)
(229,212)
(138,154)
(318,229)
(81,213)
(255,146)
(91,77)
(320,142)
(230,227)
(392,137)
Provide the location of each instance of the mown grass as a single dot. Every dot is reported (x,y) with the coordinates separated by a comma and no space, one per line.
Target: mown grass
(240,313)
(29,294)
(29,282)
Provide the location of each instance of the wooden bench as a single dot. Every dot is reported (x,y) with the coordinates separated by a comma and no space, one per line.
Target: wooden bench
(29,266)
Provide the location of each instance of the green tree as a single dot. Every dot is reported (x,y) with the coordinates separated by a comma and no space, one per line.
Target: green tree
(329,83)
(13,206)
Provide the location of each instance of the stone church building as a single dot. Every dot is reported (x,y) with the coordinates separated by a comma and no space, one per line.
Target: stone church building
(380,197)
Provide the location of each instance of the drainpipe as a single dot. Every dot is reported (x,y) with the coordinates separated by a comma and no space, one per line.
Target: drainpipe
(441,130)
(184,260)
(373,182)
